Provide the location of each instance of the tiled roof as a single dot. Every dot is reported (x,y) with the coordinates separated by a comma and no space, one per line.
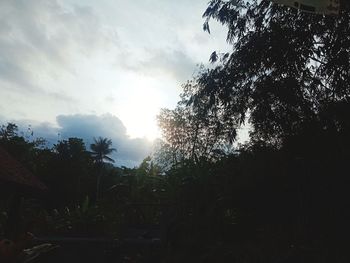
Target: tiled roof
(13,171)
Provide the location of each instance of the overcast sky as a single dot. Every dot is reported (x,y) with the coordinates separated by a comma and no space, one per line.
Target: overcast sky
(99,68)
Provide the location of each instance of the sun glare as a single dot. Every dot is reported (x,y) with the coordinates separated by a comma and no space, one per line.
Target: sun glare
(140,109)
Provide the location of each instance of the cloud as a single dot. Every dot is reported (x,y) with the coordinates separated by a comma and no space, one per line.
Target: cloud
(157,62)
(61,57)
(86,125)
(130,151)
(38,37)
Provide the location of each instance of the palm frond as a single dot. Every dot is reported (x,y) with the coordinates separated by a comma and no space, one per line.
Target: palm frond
(101,148)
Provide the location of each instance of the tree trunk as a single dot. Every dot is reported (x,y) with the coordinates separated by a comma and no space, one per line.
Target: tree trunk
(99,175)
(98,186)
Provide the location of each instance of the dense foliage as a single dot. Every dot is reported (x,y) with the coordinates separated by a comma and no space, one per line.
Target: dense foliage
(72,173)
(287,71)
(284,193)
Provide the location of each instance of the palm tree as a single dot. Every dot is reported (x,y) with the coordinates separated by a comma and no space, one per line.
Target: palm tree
(100,150)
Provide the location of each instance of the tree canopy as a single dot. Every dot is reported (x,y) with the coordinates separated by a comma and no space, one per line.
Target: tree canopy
(288,70)
(101,148)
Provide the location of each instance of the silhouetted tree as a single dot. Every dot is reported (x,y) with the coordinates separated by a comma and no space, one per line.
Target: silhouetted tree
(8,131)
(286,67)
(190,134)
(23,149)
(288,75)
(67,171)
(101,148)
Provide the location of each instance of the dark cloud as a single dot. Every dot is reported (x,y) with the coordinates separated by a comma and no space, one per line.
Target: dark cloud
(88,126)
(130,151)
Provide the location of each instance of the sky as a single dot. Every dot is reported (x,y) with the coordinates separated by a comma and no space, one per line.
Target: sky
(99,68)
